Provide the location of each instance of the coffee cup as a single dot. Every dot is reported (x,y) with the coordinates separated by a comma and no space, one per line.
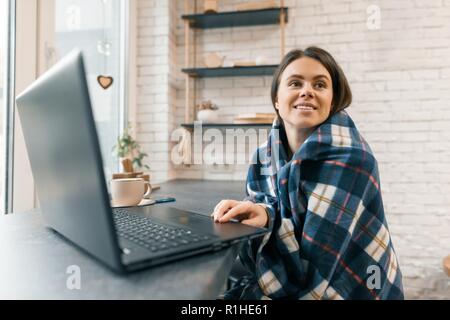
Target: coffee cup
(129,191)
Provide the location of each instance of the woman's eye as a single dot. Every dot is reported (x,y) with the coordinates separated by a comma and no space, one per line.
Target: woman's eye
(320,85)
(294,84)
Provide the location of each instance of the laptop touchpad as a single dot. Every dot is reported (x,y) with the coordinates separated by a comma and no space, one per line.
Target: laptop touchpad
(172,215)
(198,222)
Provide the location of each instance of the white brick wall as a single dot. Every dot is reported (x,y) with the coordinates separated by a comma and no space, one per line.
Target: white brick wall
(400,77)
(156,72)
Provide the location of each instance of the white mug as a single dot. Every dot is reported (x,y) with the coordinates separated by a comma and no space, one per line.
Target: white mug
(129,191)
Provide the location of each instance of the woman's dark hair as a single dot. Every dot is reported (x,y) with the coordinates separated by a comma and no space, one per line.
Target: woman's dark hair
(342,95)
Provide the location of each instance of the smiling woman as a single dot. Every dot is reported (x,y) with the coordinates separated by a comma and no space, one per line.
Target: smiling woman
(314,184)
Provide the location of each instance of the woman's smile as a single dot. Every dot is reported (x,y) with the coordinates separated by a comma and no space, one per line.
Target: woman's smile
(305,106)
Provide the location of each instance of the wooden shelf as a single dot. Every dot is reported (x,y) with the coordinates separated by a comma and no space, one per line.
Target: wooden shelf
(236,18)
(228,125)
(277,15)
(266,70)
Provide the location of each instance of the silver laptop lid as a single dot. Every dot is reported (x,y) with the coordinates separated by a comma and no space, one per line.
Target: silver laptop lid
(64,152)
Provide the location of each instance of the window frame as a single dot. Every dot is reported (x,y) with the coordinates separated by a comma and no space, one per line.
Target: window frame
(8,108)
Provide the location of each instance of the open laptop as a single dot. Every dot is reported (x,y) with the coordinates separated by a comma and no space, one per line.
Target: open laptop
(64,151)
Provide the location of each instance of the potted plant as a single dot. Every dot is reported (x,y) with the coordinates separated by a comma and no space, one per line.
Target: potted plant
(207,112)
(129,152)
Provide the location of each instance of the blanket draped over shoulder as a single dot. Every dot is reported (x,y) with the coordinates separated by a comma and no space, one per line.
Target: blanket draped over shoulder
(328,237)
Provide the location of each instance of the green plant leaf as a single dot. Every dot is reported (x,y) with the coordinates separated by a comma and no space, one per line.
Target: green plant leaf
(126,146)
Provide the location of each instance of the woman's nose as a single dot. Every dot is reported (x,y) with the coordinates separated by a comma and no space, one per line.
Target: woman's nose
(306,91)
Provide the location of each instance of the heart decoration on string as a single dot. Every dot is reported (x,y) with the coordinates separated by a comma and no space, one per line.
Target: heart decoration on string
(105,82)
(104,48)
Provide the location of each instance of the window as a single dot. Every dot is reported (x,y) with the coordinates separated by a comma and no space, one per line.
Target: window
(6,27)
(95,26)
(40,33)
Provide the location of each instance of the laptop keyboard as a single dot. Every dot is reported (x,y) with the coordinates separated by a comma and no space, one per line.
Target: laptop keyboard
(153,235)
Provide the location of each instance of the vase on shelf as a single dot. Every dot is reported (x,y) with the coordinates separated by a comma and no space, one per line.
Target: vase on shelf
(207,112)
(208,116)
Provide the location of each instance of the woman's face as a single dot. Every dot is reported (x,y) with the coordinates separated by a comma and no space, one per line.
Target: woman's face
(305,94)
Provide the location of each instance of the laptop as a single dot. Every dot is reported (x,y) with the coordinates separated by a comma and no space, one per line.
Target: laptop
(63,148)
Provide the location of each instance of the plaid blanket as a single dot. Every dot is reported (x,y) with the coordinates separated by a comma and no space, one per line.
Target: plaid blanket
(328,237)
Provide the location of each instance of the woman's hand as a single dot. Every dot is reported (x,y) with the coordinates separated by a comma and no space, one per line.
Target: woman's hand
(246,212)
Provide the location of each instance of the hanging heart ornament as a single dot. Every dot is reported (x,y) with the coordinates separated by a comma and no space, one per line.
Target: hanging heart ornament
(105,82)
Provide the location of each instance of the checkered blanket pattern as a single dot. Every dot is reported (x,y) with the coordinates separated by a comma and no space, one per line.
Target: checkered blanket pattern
(328,237)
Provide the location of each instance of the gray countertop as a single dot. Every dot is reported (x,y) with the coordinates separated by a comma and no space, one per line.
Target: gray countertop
(35,261)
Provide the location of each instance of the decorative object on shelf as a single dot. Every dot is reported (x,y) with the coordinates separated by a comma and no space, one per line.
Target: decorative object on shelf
(207,112)
(260,60)
(244,63)
(213,60)
(210,6)
(261,118)
(129,151)
(256,5)
(209,116)
(104,48)
(207,105)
